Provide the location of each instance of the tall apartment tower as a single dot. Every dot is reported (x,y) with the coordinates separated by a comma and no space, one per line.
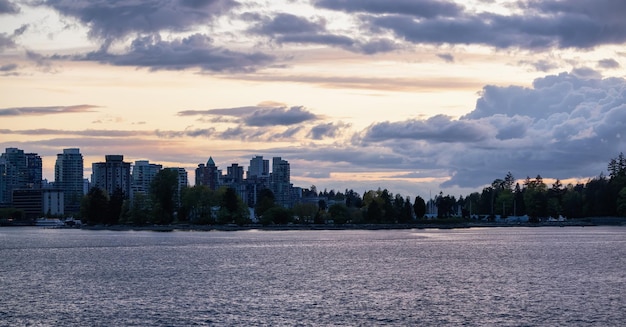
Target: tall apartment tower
(68,176)
(280,182)
(34,169)
(143,174)
(112,174)
(14,174)
(258,167)
(208,174)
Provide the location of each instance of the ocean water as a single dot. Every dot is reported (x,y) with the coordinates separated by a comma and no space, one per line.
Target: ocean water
(546,276)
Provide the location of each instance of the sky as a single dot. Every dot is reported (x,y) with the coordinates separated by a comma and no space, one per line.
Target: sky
(414,96)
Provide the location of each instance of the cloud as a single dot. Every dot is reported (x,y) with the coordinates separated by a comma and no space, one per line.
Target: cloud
(8,67)
(423,9)
(87,132)
(608,63)
(8,41)
(564,126)
(437,129)
(259,116)
(327,130)
(113,20)
(286,28)
(535,25)
(40,111)
(196,50)
(8,7)
(446,57)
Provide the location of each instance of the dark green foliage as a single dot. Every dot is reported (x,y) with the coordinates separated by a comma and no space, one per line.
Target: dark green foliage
(621,202)
(11,213)
(232,209)
(115,206)
(265,202)
(419,207)
(277,215)
(95,207)
(445,206)
(163,191)
(374,213)
(339,213)
(196,205)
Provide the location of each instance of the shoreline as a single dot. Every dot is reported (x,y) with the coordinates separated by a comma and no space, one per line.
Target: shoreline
(584,222)
(589,222)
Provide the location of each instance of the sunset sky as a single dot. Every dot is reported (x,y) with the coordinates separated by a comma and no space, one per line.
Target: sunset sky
(413,96)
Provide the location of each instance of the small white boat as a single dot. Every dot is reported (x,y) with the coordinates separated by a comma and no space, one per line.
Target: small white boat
(49,222)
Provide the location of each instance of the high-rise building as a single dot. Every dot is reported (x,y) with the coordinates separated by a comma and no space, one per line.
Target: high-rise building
(68,177)
(14,174)
(258,178)
(280,182)
(208,174)
(112,174)
(143,174)
(33,170)
(258,167)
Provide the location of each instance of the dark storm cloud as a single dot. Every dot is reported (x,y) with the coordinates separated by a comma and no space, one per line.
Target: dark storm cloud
(423,8)
(40,111)
(8,7)
(540,25)
(288,28)
(116,19)
(261,115)
(195,51)
(565,125)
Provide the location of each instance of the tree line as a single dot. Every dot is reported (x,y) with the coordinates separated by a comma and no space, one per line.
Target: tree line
(599,196)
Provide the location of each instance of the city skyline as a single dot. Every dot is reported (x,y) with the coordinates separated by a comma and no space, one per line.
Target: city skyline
(413,96)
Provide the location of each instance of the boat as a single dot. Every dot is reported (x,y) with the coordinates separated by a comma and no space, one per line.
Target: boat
(49,222)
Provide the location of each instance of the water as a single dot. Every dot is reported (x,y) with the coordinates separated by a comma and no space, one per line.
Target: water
(472,277)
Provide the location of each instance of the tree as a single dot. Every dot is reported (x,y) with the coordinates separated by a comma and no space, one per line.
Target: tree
(305,212)
(139,209)
(232,210)
(265,202)
(277,215)
(115,206)
(339,213)
(374,213)
(621,203)
(163,190)
(535,199)
(94,207)
(419,207)
(197,203)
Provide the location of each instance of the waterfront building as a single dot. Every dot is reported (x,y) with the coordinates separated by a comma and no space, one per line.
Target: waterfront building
(208,175)
(143,174)
(68,177)
(14,174)
(36,203)
(33,170)
(280,182)
(111,175)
